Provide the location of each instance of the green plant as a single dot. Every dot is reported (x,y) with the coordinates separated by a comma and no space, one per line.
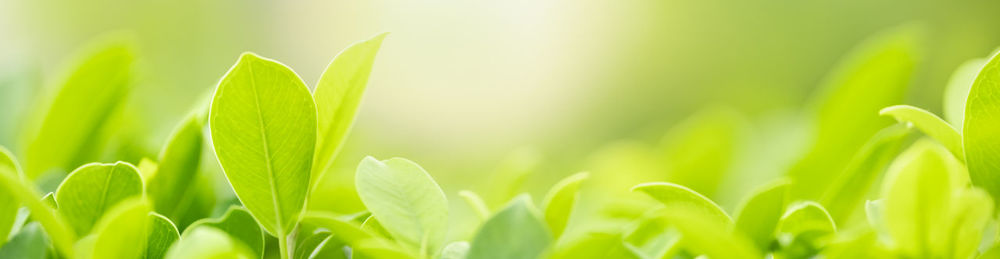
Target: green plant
(274,138)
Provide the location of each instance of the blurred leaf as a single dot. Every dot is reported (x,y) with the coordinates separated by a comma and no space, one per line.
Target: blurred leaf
(477,204)
(971,210)
(372,225)
(863,245)
(345,231)
(701,234)
(803,228)
(917,193)
(238,224)
(930,124)
(700,150)
(405,200)
(559,202)
(8,203)
(320,245)
(147,169)
(758,216)
(981,126)
(874,214)
(85,101)
(508,179)
(50,199)
(873,76)
(516,231)
(122,232)
(56,227)
(176,189)
(677,197)
(338,95)
(377,249)
(29,243)
(848,191)
(263,123)
(597,245)
(162,234)
(93,189)
(956,93)
(208,243)
(653,237)
(455,250)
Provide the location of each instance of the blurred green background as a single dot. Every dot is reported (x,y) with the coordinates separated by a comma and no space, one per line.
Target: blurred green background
(475,90)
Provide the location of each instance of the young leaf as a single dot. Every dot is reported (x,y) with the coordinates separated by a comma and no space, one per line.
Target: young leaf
(917,193)
(653,237)
(981,126)
(240,225)
(455,250)
(514,232)
(123,231)
(597,245)
(320,245)
(930,124)
(703,234)
(208,243)
(371,224)
(956,93)
(700,151)
(971,210)
(338,95)
(405,200)
(162,234)
(476,203)
(263,123)
(803,229)
(677,197)
(176,189)
(345,231)
(8,203)
(873,76)
(85,101)
(758,216)
(559,202)
(848,192)
(55,225)
(29,243)
(89,191)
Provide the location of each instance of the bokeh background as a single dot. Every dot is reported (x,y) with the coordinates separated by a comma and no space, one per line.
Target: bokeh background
(474,90)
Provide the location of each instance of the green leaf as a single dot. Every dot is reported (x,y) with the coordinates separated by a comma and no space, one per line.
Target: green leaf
(758,216)
(371,224)
(162,234)
(263,123)
(29,243)
(405,200)
(859,245)
(208,243)
(86,100)
(930,124)
(177,190)
(917,193)
(956,93)
(240,225)
(91,190)
(8,203)
(338,95)
(345,231)
(475,202)
(804,228)
(516,231)
(676,197)
(848,192)
(971,211)
(559,202)
(377,249)
(700,150)
(50,199)
(653,237)
(981,125)
(597,245)
(455,250)
(123,231)
(57,228)
(703,234)
(320,245)
(873,76)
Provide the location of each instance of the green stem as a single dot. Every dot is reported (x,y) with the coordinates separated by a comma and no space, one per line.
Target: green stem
(283,246)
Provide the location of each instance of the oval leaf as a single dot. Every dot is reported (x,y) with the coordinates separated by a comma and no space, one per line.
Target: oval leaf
(848,192)
(677,197)
(917,194)
(171,189)
(559,202)
(759,215)
(123,231)
(971,211)
(956,93)
(930,124)
(982,122)
(89,191)
(405,200)
(263,124)
(29,243)
(803,228)
(514,232)
(162,234)
(208,243)
(240,225)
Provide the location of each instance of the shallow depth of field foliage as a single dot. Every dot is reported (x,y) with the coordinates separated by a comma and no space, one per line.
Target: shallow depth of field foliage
(255,169)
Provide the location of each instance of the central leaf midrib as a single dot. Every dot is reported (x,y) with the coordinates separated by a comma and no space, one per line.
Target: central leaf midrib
(267,155)
(104,193)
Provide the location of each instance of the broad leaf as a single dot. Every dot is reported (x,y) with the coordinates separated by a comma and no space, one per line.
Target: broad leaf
(86,100)
(263,123)
(240,225)
(930,124)
(597,245)
(208,243)
(162,233)
(676,197)
(475,202)
(873,76)
(981,126)
(123,232)
(405,200)
(516,231)
(758,216)
(956,93)
(559,202)
(917,193)
(176,189)
(59,231)
(29,243)
(338,95)
(89,191)
(848,192)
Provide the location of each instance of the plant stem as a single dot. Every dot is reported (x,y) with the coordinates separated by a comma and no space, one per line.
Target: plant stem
(283,246)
